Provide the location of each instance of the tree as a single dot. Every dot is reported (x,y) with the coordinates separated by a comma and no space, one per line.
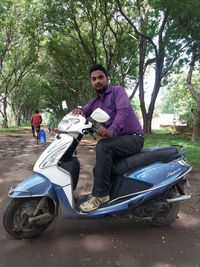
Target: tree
(158,47)
(19,45)
(194,92)
(27,98)
(186,16)
(176,98)
(90,33)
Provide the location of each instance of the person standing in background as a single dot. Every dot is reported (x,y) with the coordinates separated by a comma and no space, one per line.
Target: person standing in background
(36,120)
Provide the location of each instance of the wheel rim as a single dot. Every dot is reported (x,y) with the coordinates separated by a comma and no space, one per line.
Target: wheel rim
(22,214)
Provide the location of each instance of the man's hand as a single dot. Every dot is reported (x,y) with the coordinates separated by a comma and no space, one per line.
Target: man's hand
(103,132)
(77,111)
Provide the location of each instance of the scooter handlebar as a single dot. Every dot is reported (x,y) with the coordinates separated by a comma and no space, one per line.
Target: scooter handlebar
(91,131)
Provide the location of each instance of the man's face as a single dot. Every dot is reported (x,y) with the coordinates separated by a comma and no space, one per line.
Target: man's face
(99,80)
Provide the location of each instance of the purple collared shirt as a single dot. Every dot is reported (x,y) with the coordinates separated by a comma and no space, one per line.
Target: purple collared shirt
(117,104)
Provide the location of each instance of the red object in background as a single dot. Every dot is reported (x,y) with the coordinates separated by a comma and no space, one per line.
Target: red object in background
(36,120)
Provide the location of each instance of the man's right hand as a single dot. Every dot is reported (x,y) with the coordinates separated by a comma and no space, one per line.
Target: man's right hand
(77,111)
(103,132)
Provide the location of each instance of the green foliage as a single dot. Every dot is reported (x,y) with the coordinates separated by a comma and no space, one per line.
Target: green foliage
(176,98)
(136,105)
(67,77)
(46,48)
(53,121)
(20,35)
(28,97)
(78,34)
(97,32)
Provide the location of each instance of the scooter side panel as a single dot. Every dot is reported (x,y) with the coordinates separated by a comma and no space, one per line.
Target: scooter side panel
(33,186)
(159,173)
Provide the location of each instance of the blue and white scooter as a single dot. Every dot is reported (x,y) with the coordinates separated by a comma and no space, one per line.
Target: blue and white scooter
(148,184)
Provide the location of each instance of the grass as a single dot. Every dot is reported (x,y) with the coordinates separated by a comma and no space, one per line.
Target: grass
(11,130)
(192,148)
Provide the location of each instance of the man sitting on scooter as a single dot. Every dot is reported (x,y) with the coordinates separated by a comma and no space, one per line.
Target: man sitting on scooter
(123,133)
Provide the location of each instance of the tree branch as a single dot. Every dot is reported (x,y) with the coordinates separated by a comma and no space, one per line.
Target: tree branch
(135,29)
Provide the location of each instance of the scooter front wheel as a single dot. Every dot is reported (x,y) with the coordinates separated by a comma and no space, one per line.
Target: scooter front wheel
(18,217)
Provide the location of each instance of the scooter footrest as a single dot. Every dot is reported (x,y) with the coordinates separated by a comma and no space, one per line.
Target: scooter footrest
(179,198)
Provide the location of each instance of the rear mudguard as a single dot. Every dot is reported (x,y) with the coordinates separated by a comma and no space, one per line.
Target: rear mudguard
(34,186)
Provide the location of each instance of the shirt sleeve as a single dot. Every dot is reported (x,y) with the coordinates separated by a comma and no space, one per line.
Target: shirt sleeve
(122,104)
(87,109)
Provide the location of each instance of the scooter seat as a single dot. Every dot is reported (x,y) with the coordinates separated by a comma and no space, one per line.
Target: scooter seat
(148,155)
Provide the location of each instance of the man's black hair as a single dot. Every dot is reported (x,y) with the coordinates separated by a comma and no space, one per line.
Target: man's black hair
(36,111)
(95,67)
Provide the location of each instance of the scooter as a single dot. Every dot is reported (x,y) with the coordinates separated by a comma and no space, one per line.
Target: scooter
(149,184)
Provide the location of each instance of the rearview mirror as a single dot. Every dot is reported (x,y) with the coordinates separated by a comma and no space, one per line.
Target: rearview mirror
(64,105)
(100,115)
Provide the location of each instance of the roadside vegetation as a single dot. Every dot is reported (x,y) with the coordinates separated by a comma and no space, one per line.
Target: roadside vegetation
(11,130)
(157,138)
(162,138)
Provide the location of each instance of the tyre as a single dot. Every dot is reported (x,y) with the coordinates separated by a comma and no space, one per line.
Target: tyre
(16,217)
(167,217)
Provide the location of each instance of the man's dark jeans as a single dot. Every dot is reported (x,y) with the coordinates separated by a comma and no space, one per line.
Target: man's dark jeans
(108,150)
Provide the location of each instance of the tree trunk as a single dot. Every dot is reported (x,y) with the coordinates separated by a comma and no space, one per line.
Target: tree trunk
(18,120)
(156,88)
(194,93)
(147,124)
(196,126)
(4,113)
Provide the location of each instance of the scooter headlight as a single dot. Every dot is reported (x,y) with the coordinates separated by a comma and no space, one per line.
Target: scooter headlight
(66,123)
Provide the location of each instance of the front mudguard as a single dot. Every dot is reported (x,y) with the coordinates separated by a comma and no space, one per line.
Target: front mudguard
(34,186)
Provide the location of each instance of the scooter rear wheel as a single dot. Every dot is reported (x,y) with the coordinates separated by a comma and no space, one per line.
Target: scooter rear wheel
(168,217)
(16,217)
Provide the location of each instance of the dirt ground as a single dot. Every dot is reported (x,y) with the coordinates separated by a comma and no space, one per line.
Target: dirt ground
(104,242)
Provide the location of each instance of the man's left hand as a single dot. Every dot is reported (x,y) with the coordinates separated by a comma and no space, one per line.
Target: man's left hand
(103,132)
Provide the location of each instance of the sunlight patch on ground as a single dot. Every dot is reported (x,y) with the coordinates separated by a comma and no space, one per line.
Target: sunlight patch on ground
(162,264)
(97,243)
(188,220)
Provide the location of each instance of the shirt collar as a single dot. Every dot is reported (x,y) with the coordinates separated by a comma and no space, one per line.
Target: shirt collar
(108,90)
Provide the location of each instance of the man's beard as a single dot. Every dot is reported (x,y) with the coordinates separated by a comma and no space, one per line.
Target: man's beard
(102,90)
